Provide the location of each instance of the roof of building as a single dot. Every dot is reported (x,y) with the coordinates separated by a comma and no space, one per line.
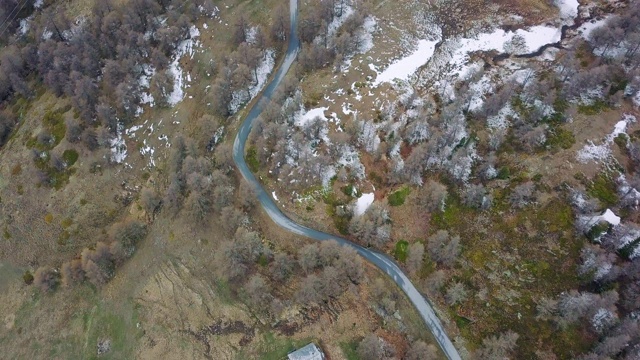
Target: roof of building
(308,352)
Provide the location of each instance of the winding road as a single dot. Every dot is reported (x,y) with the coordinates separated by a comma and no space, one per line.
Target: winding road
(380,260)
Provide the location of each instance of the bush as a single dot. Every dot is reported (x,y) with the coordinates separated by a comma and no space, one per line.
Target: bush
(70,157)
(397,198)
(401,250)
(560,138)
(604,189)
(128,233)
(27,277)
(252,159)
(45,279)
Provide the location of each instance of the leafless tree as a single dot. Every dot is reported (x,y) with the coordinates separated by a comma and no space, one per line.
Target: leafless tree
(309,258)
(373,228)
(282,267)
(432,196)
(374,348)
(456,293)
(258,292)
(150,200)
(45,279)
(523,194)
(498,347)
(420,350)
(415,257)
(310,291)
(444,249)
(72,272)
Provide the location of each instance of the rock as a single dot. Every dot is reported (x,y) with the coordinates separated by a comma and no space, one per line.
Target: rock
(104,346)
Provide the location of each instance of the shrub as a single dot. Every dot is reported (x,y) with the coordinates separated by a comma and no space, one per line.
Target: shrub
(27,277)
(252,159)
(401,250)
(604,189)
(45,279)
(70,157)
(128,233)
(397,198)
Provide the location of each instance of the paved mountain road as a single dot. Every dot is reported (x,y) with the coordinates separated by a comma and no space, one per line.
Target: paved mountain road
(380,260)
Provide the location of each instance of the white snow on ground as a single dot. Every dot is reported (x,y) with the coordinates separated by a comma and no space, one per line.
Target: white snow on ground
(588,27)
(310,115)
(264,69)
(568,8)
(610,217)
(185,47)
(38,4)
(145,98)
(273,193)
(118,147)
(535,38)
(602,152)
(146,149)
(25,24)
(351,159)
(338,21)
(366,36)
(406,66)
(501,121)
(363,203)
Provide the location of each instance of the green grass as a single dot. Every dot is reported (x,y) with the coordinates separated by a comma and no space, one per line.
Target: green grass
(504,173)
(70,157)
(560,138)
(273,348)
(252,159)
(621,140)
(593,109)
(397,198)
(603,188)
(598,230)
(401,251)
(349,191)
(350,350)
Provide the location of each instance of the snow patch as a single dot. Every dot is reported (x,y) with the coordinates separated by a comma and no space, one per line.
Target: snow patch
(363,203)
(265,68)
(275,197)
(610,217)
(568,8)
(118,147)
(185,47)
(602,152)
(310,115)
(406,66)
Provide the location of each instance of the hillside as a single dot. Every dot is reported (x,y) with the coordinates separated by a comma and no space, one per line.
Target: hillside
(489,148)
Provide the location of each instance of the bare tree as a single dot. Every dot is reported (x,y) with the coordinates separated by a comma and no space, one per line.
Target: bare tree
(415,257)
(498,347)
(523,194)
(420,350)
(373,228)
(310,291)
(258,292)
(45,279)
(432,196)
(282,267)
(443,248)
(150,201)
(371,348)
(309,257)
(456,293)
(72,272)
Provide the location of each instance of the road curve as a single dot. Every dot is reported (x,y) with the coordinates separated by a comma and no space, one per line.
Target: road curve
(382,261)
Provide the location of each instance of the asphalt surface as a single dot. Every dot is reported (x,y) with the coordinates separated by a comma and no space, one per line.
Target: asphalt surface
(380,260)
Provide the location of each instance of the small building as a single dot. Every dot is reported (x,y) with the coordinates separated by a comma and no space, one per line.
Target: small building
(308,352)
